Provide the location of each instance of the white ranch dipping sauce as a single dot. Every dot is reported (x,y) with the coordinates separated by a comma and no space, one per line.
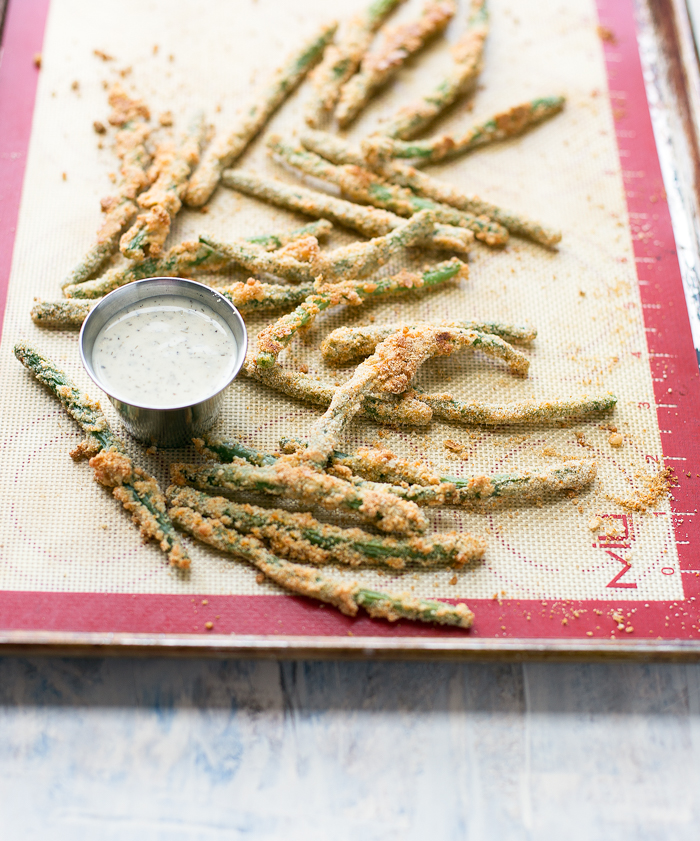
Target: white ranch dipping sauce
(164,353)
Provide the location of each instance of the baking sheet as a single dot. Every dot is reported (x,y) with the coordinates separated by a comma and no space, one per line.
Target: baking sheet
(608,307)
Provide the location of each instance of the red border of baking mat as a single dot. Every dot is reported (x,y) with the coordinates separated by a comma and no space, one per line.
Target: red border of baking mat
(673,364)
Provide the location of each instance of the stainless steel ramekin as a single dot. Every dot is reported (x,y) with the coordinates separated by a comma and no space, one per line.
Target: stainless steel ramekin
(164,427)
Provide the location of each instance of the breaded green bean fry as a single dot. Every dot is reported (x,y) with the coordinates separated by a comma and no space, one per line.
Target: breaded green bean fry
(355,261)
(300,537)
(283,263)
(130,115)
(136,490)
(253,296)
(348,343)
(446,407)
(248,296)
(290,478)
(371,464)
(215,449)
(391,368)
(467,56)
(453,338)
(227,149)
(474,491)
(346,596)
(380,465)
(352,292)
(361,185)
(339,151)
(398,45)
(185,259)
(362,258)
(404,410)
(163,199)
(418,408)
(573,475)
(506,124)
(178,261)
(426,185)
(369,221)
(341,60)
(419,482)
(66,314)
(332,147)
(85,411)
(272,242)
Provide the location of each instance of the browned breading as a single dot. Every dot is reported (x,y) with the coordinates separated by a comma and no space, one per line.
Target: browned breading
(168,176)
(400,42)
(140,495)
(85,449)
(381,465)
(306,250)
(112,468)
(249,290)
(146,521)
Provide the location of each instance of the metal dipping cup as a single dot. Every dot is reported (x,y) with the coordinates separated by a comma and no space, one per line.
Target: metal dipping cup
(178,425)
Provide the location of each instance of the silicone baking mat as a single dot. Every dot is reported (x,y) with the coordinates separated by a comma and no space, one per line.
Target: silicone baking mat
(608,306)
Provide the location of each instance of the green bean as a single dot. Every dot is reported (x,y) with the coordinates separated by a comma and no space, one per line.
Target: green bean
(136,490)
(332,147)
(472,491)
(341,60)
(404,410)
(418,408)
(362,258)
(253,296)
(391,369)
(272,242)
(283,263)
(467,56)
(361,185)
(66,314)
(277,336)
(347,343)
(369,221)
(419,482)
(184,259)
(224,151)
(355,261)
(445,406)
(399,44)
(178,261)
(339,151)
(346,596)
(300,537)
(499,127)
(121,209)
(215,449)
(163,199)
(291,478)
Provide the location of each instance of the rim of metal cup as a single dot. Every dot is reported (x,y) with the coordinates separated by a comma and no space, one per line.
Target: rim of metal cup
(140,290)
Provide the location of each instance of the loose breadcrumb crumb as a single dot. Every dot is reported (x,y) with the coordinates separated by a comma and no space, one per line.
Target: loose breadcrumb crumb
(656,487)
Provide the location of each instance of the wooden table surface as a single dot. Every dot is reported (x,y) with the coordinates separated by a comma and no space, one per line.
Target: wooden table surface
(187,749)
